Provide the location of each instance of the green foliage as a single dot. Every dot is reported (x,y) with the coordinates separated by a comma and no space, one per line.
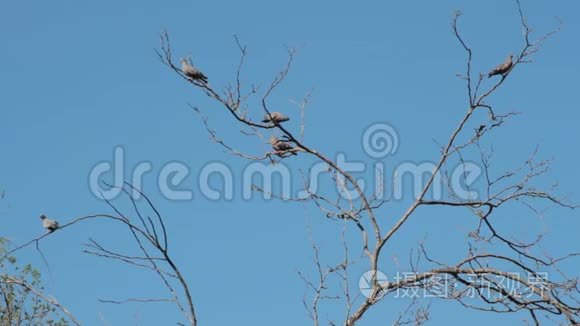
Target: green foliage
(18,304)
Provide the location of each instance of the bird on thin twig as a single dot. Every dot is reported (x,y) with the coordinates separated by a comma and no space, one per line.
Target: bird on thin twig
(502,69)
(281,146)
(479,130)
(275,118)
(48,224)
(192,72)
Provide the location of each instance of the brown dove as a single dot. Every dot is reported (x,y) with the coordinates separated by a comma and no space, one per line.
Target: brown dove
(275,118)
(281,146)
(503,68)
(192,72)
(48,224)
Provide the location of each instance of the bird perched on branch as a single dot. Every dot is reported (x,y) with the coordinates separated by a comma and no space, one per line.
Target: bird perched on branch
(275,118)
(503,68)
(479,130)
(192,72)
(48,224)
(281,146)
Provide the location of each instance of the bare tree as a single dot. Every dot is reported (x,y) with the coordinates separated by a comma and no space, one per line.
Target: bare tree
(476,281)
(479,275)
(151,237)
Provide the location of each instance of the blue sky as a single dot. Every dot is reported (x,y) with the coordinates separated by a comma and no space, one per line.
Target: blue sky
(79,79)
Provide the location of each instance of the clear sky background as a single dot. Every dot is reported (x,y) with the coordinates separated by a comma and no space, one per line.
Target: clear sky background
(78,79)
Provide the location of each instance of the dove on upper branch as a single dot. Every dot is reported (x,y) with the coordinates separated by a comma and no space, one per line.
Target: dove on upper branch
(503,68)
(192,72)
